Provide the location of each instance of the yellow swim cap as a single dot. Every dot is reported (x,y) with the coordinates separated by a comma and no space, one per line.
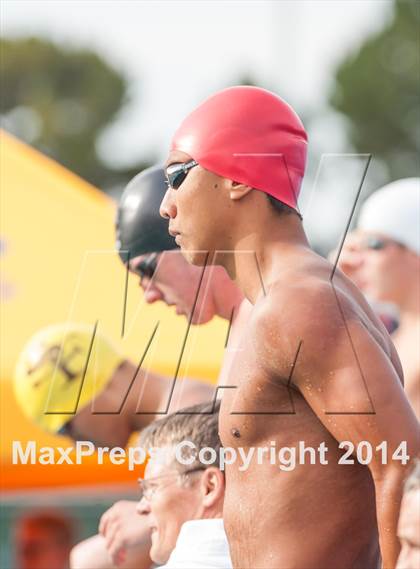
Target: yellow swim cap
(60,370)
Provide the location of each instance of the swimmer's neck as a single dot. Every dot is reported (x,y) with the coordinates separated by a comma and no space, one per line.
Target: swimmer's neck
(275,245)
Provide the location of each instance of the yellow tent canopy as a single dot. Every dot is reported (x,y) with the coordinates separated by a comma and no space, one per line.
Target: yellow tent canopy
(59,264)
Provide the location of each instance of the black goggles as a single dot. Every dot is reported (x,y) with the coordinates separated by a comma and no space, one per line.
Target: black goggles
(147,267)
(66,430)
(176,173)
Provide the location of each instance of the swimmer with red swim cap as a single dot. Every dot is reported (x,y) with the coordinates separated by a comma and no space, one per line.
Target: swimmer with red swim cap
(315,367)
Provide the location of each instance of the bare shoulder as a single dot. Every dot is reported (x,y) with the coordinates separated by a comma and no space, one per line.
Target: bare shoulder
(288,314)
(311,316)
(303,304)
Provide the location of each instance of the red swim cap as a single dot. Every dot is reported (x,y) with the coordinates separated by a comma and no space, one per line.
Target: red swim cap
(248,135)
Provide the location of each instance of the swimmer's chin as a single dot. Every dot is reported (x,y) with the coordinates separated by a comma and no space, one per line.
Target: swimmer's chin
(200,319)
(194,257)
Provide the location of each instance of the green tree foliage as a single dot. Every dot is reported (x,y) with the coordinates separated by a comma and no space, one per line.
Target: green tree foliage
(60,100)
(378,89)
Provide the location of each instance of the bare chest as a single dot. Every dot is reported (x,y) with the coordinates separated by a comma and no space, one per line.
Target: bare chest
(257,408)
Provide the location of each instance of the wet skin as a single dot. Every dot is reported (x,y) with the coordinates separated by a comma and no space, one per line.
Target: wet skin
(320,345)
(315,516)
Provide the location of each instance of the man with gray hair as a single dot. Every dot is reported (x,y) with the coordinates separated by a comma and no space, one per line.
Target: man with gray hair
(181,496)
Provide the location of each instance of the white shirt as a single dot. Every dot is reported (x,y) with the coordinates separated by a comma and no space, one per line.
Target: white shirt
(201,544)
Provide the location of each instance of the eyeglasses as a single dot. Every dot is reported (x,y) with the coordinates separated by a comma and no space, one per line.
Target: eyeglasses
(176,173)
(146,267)
(148,488)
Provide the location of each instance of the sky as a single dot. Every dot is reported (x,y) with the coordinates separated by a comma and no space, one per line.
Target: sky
(176,53)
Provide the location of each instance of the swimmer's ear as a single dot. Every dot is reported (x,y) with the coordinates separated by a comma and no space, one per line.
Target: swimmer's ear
(237,190)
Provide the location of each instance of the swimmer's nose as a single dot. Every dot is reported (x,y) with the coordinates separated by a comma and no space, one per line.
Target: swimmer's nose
(151,293)
(350,258)
(167,207)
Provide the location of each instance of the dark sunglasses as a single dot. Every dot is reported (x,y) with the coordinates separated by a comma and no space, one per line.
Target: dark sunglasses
(176,173)
(147,267)
(378,243)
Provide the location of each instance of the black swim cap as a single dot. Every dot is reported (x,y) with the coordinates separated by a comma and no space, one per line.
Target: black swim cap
(139,227)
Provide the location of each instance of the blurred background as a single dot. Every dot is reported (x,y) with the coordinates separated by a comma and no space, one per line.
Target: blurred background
(99,87)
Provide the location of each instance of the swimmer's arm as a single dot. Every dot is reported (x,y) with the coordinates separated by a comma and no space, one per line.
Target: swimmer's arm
(156,391)
(356,393)
(186,392)
(189,392)
(92,554)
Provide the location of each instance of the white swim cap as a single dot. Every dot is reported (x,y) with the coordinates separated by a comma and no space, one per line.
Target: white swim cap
(394,210)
